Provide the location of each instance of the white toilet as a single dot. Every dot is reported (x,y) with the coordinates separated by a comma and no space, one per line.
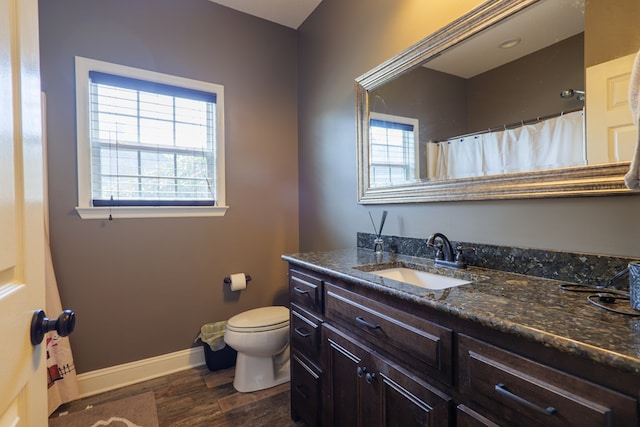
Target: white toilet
(261,338)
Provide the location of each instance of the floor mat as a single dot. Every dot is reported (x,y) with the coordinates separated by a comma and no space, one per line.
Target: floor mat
(136,411)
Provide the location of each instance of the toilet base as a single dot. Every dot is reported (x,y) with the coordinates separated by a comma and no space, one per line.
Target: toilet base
(258,373)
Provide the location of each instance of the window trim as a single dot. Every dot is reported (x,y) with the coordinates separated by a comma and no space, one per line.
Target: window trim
(85,207)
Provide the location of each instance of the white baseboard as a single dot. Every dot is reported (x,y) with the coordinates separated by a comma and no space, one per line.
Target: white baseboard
(106,379)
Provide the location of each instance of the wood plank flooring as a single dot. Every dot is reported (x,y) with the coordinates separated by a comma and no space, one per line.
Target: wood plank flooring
(200,398)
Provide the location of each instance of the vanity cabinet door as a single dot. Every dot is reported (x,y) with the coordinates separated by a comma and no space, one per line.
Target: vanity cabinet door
(403,400)
(366,389)
(467,417)
(346,363)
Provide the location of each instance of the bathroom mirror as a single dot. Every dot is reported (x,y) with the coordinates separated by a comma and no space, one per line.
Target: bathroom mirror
(440,122)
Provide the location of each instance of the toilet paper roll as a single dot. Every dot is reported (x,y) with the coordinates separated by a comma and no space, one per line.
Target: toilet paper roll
(238,281)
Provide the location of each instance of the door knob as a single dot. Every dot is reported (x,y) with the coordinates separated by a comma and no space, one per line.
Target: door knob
(40,325)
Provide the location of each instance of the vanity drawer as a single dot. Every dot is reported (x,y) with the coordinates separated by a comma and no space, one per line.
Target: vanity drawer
(525,392)
(305,290)
(419,344)
(305,332)
(305,391)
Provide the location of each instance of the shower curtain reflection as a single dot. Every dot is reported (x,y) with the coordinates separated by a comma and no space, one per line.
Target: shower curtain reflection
(556,142)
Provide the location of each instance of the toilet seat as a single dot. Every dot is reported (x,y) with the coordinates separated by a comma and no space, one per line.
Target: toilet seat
(260,319)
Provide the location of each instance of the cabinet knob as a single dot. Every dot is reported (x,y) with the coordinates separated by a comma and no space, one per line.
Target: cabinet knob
(370,377)
(40,325)
(361,371)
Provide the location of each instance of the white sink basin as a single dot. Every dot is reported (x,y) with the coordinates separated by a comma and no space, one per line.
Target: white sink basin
(420,278)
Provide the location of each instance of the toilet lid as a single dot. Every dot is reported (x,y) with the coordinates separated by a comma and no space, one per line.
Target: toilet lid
(260,319)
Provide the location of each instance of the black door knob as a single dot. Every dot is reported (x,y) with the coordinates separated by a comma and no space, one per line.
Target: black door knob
(40,325)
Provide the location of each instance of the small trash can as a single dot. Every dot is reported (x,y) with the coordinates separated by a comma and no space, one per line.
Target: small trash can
(217,354)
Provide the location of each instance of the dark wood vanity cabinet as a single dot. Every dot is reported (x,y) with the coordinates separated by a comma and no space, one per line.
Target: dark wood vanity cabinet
(305,293)
(341,372)
(361,358)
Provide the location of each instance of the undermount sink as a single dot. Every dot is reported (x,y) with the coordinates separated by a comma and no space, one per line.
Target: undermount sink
(420,278)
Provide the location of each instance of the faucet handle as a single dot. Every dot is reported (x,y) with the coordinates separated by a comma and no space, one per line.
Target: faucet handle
(460,252)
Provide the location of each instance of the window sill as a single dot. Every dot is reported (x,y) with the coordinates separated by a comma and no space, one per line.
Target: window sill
(118,212)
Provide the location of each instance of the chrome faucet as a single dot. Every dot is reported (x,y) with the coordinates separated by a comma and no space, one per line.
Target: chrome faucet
(445,256)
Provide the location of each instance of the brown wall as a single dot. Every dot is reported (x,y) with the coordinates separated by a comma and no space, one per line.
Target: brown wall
(528,87)
(523,89)
(438,100)
(364,34)
(143,287)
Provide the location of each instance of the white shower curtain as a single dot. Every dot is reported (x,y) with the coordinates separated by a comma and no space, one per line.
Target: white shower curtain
(547,144)
(61,372)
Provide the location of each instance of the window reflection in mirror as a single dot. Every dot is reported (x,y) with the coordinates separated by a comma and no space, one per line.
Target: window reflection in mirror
(394,149)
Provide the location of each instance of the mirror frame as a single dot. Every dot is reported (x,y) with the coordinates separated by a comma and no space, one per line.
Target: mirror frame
(595,180)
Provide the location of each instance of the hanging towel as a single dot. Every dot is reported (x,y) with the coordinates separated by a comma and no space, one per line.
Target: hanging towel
(632,178)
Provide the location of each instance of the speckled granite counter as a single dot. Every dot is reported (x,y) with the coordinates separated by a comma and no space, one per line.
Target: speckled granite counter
(527,306)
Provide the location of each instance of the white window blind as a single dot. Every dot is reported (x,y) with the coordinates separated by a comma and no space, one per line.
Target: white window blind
(151,144)
(392,154)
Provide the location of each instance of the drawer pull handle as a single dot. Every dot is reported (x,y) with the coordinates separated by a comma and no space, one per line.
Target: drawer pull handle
(369,325)
(302,332)
(300,392)
(300,291)
(501,389)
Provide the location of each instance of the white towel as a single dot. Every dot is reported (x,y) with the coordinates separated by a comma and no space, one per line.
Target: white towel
(632,178)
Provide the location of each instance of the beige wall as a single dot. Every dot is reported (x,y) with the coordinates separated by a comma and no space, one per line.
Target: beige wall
(362,35)
(611,29)
(143,287)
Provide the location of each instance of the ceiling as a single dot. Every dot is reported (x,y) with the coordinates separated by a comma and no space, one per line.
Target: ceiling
(290,13)
(478,54)
(562,19)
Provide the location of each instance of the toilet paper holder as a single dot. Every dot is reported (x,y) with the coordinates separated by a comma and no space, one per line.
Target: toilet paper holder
(227,279)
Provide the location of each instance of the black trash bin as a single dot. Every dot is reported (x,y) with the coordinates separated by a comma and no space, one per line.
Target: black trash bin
(217,354)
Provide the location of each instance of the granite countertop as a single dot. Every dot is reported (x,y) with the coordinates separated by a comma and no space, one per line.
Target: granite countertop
(527,306)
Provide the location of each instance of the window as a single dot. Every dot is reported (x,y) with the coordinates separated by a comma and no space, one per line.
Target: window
(149,144)
(393,149)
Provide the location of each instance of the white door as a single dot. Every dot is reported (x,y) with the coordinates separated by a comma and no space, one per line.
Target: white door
(611,133)
(23,386)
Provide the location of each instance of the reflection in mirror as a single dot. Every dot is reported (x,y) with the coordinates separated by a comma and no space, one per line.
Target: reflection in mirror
(508,101)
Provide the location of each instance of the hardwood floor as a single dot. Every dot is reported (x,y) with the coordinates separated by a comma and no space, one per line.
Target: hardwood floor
(198,397)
